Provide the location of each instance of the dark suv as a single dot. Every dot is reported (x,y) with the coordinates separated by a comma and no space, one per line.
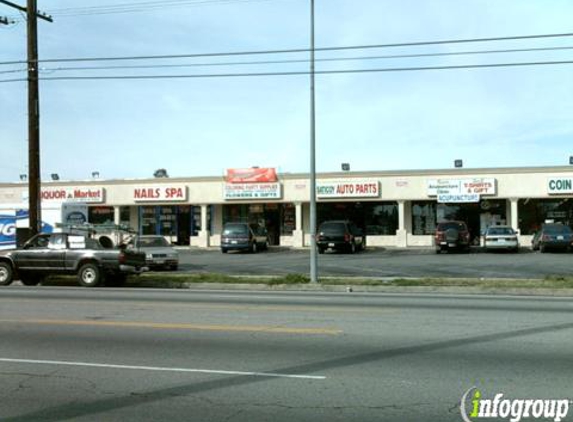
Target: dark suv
(552,236)
(244,236)
(452,235)
(340,235)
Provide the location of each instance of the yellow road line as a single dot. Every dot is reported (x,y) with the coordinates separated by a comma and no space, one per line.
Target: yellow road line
(182,326)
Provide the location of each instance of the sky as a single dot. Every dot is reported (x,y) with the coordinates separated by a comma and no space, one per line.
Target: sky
(517,116)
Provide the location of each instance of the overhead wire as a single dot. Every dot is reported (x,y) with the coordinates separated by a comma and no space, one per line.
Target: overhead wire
(298,50)
(299,73)
(294,61)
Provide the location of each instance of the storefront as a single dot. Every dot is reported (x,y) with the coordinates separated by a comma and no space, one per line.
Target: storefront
(258,187)
(395,208)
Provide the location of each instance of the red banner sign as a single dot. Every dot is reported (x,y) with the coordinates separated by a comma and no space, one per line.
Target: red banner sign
(252,175)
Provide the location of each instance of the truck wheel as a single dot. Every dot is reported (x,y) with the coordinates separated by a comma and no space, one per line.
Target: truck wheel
(6,274)
(89,275)
(352,248)
(31,280)
(116,280)
(320,250)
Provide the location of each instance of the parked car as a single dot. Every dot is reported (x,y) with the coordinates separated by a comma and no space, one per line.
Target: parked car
(158,251)
(61,253)
(501,238)
(552,236)
(244,236)
(340,235)
(452,235)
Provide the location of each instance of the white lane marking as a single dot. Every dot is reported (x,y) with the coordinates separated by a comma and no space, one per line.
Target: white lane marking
(161,369)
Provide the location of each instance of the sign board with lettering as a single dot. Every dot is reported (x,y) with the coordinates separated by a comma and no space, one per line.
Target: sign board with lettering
(252,175)
(236,191)
(560,185)
(367,188)
(78,194)
(155,193)
(479,187)
(458,198)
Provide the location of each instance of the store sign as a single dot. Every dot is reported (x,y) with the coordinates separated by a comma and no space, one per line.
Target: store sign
(83,194)
(73,213)
(252,191)
(458,198)
(170,193)
(559,185)
(348,189)
(252,175)
(462,187)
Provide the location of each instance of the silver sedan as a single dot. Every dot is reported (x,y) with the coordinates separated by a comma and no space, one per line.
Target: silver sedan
(501,238)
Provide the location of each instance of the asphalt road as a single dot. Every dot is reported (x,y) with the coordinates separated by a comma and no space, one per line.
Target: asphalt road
(381,262)
(78,354)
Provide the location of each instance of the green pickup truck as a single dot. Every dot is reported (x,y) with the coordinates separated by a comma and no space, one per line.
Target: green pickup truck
(62,253)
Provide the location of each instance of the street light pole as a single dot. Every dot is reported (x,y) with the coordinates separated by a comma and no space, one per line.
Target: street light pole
(313,255)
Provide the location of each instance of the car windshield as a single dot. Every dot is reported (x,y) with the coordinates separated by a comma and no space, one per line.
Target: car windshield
(151,242)
(557,229)
(450,225)
(235,229)
(500,230)
(332,228)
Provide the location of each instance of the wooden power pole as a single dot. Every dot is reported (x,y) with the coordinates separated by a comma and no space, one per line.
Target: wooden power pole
(34,182)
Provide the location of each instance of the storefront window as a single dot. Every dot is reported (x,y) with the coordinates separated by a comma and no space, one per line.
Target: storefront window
(125,216)
(381,218)
(168,221)
(424,217)
(376,218)
(278,219)
(288,218)
(534,212)
(148,220)
(478,216)
(100,215)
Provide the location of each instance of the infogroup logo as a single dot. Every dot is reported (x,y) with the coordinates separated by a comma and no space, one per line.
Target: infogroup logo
(513,410)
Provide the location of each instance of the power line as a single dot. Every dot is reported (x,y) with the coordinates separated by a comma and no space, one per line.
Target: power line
(299,50)
(299,73)
(140,7)
(293,61)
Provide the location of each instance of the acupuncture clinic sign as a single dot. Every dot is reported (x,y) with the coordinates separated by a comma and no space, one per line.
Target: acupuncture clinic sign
(461,190)
(348,189)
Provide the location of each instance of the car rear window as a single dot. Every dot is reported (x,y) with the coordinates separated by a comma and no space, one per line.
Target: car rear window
(332,228)
(451,225)
(557,229)
(152,242)
(234,229)
(499,230)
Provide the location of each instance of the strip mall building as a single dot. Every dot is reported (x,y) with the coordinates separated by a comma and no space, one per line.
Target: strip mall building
(395,208)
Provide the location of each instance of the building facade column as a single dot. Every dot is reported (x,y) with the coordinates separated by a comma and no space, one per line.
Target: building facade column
(204,233)
(298,233)
(514,215)
(402,233)
(116,215)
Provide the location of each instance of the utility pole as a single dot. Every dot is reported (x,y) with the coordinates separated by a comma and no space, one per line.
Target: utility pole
(34,200)
(34,182)
(313,255)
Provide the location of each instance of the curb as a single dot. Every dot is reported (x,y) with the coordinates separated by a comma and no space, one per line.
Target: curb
(453,290)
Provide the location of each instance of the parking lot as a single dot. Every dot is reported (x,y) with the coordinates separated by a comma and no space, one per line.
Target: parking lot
(381,262)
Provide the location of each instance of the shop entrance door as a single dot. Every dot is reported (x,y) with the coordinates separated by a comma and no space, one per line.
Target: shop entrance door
(183,225)
(273,223)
